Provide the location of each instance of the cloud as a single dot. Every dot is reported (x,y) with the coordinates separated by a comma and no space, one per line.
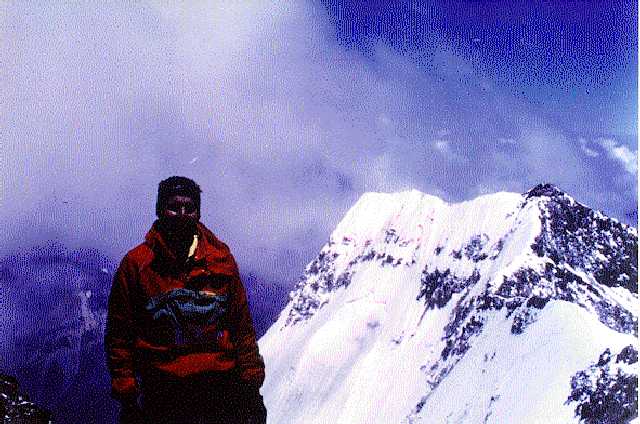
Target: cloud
(587,150)
(506,141)
(441,145)
(281,126)
(625,156)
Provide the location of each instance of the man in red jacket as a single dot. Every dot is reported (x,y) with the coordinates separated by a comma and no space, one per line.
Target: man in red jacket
(180,342)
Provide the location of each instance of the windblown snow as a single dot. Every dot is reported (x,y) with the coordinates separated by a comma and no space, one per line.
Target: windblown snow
(496,310)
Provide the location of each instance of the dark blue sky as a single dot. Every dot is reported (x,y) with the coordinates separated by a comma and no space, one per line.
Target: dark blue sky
(286,113)
(576,58)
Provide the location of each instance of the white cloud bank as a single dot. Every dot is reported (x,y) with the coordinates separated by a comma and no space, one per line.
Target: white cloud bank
(625,156)
(588,150)
(282,127)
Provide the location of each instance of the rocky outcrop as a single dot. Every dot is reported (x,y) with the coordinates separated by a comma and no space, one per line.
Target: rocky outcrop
(15,406)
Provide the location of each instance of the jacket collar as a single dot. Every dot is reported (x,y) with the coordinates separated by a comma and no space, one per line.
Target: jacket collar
(211,254)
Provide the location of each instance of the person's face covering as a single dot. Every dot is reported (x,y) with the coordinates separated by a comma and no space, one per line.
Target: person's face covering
(179,218)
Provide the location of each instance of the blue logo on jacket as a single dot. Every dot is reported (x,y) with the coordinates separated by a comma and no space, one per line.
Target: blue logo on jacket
(185,315)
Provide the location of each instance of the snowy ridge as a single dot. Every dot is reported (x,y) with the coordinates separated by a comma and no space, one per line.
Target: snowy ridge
(421,311)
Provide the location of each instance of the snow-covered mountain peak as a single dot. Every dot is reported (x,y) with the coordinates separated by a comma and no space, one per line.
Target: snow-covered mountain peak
(374,212)
(437,286)
(413,229)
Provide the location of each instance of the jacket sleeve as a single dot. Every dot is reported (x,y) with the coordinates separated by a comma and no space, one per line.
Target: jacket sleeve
(120,335)
(250,362)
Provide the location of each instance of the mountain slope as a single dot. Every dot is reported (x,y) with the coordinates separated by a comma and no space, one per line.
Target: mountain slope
(485,311)
(52,334)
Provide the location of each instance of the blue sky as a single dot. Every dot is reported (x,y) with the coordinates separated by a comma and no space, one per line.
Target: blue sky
(286,113)
(573,55)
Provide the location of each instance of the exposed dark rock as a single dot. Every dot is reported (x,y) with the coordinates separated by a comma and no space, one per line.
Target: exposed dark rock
(545,189)
(459,343)
(437,287)
(586,240)
(496,248)
(459,314)
(390,260)
(555,283)
(616,317)
(15,406)
(523,319)
(520,284)
(604,392)
(537,302)
(318,279)
(391,236)
(473,249)
(628,355)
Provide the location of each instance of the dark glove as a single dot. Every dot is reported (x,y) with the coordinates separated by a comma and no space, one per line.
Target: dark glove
(130,412)
(254,405)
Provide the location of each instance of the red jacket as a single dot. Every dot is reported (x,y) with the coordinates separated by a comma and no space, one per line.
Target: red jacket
(179,320)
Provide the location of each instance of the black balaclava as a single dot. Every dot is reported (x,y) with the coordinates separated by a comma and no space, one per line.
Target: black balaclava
(178,231)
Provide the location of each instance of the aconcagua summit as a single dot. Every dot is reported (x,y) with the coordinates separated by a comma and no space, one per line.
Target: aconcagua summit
(508,308)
